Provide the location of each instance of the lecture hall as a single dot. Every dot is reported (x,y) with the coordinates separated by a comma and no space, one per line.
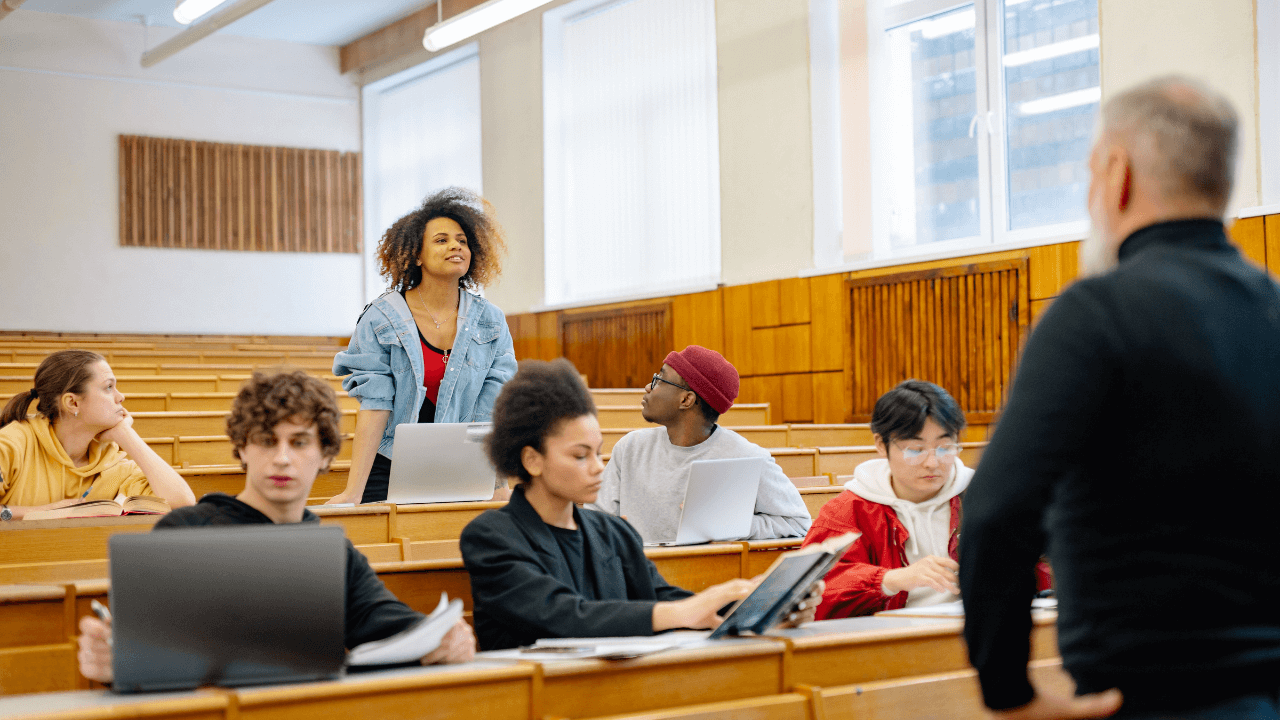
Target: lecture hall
(639,359)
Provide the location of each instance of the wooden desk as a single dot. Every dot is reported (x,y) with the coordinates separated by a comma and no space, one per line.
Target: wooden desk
(862,667)
(480,690)
(729,670)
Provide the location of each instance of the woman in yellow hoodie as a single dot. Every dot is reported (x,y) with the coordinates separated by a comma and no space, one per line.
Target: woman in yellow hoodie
(80,444)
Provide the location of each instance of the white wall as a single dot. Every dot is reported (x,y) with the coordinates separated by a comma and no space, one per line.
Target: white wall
(68,88)
(1213,42)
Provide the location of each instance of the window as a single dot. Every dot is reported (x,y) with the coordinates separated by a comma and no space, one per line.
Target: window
(631,190)
(421,134)
(982,118)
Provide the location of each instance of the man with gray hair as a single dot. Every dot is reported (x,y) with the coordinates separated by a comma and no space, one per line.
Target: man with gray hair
(1148,383)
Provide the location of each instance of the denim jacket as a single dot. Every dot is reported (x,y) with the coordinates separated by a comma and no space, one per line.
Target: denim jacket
(385,356)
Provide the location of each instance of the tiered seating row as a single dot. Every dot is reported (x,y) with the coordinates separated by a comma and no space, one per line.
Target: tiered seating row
(872,667)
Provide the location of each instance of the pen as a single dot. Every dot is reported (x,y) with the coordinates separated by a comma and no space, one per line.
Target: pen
(104,615)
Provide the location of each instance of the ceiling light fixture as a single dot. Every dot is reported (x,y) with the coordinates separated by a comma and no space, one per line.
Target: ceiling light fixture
(188,11)
(475,21)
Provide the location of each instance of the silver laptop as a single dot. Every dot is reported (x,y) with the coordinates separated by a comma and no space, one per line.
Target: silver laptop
(440,462)
(227,606)
(719,500)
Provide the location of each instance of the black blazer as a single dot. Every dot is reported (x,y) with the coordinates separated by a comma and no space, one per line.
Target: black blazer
(522,589)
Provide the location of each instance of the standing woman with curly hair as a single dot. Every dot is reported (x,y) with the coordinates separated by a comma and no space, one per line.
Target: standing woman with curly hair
(430,349)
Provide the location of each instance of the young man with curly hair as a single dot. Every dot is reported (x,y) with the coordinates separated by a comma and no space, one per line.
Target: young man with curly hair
(285,431)
(430,349)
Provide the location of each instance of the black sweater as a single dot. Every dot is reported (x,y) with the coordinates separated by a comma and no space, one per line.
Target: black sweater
(372,612)
(523,589)
(1139,448)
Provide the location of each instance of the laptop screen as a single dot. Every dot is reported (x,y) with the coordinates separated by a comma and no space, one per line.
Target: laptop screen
(227,606)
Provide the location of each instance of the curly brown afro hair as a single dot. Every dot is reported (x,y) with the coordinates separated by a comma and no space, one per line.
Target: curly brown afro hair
(268,398)
(401,245)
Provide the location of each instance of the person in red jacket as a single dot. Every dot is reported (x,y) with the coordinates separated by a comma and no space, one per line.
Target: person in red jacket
(906,504)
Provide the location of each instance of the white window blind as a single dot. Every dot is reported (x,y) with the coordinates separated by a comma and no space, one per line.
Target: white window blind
(421,134)
(632,191)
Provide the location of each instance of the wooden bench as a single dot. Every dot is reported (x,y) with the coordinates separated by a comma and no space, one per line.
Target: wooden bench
(841,461)
(11,383)
(206,450)
(200,422)
(628,416)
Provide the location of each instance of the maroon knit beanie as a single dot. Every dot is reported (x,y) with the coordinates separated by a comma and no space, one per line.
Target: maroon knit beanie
(708,374)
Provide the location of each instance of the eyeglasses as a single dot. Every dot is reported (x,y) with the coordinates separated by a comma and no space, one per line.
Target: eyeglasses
(917,455)
(656,379)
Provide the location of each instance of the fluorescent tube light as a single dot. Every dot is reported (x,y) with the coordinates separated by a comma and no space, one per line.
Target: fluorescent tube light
(1052,50)
(475,21)
(1066,100)
(187,11)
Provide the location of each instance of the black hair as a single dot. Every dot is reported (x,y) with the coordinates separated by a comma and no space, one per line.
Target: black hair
(708,412)
(530,407)
(901,412)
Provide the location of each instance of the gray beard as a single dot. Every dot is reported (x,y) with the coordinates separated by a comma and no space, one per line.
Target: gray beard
(1097,256)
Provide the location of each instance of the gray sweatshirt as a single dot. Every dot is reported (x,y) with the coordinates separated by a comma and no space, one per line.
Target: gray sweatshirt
(646,477)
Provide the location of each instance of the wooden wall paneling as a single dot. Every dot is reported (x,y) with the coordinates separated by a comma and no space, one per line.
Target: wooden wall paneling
(769,390)
(960,327)
(548,335)
(797,398)
(188,194)
(738,349)
(766,304)
(793,301)
(828,323)
(1271,225)
(698,319)
(780,350)
(619,347)
(1038,307)
(1249,234)
(829,404)
(1051,268)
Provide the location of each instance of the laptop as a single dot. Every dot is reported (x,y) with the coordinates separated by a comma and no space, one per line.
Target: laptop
(440,462)
(232,606)
(719,501)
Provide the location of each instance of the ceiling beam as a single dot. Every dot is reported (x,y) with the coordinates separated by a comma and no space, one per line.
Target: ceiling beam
(8,6)
(400,38)
(200,30)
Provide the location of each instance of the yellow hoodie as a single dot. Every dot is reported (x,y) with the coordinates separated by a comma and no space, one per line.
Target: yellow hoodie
(35,470)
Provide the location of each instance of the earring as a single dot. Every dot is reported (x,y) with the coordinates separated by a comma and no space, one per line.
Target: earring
(77,413)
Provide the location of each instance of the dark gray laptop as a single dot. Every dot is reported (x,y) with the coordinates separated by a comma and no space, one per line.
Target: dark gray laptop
(227,606)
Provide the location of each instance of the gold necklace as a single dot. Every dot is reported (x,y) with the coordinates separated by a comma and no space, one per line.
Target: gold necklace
(423,303)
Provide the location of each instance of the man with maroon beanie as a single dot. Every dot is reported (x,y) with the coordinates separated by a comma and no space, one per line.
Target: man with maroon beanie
(648,470)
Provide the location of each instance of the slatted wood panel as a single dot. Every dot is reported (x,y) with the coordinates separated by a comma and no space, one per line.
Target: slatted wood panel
(219,196)
(960,327)
(617,348)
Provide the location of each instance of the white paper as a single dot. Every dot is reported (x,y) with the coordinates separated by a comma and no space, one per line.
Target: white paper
(412,643)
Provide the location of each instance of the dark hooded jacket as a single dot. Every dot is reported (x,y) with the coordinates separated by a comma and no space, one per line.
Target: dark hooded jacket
(372,612)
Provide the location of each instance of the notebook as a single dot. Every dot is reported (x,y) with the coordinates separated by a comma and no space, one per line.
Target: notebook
(719,501)
(236,605)
(440,462)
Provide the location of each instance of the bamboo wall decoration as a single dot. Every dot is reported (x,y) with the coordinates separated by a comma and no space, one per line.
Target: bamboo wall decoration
(220,196)
(620,347)
(960,327)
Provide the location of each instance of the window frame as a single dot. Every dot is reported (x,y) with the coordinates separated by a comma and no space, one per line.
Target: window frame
(990,127)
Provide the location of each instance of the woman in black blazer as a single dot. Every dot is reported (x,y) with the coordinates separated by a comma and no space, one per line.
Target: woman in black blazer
(543,567)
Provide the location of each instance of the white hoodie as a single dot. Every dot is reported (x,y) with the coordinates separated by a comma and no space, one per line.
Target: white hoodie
(928,523)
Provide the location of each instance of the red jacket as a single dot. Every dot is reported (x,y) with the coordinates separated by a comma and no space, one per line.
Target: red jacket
(854,584)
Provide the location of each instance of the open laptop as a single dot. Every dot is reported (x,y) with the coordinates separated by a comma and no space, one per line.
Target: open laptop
(236,605)
(440,462)
(719,501)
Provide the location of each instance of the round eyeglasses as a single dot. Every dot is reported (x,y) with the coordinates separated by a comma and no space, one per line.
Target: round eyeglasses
(916,455)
